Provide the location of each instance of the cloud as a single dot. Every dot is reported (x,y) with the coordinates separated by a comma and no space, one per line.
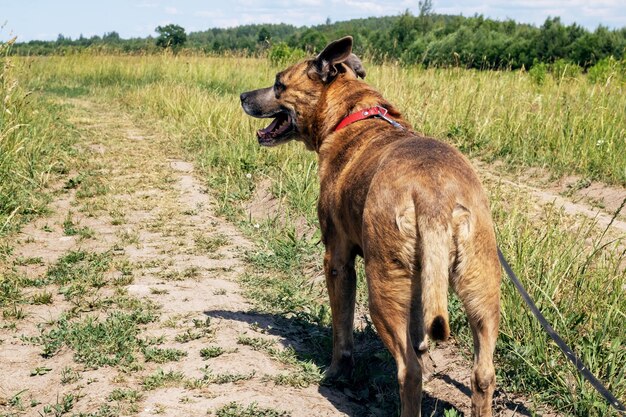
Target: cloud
(301,3)
(146,5)
(366,6)
(204,13)
(172,10)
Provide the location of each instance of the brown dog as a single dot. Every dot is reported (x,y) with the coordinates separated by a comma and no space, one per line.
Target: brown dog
(410,205)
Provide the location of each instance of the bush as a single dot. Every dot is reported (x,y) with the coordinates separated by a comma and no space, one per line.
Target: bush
(606,70)
(281,53)
(538,72)
(564,69)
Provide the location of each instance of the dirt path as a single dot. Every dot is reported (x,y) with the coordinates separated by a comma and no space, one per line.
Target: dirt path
(157,220)
(575,195)
(139,209)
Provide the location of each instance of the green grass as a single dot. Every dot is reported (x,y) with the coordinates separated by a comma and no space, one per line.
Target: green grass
(158,355)
(194,334)
(10,289)
(119,394)
(211,352)
(112,341)
(62,406)
(160,379)
(502,115)
(209,244)
(100,339)
(43,298)
(72,229)
(35,147)
(80,266)
(80,276)
(221,378)
(69,375)
(235,409)
(305,372)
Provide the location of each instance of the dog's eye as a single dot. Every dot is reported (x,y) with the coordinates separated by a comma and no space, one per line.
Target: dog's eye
(279,87)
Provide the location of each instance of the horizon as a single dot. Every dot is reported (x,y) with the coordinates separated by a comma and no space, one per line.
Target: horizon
(138,19)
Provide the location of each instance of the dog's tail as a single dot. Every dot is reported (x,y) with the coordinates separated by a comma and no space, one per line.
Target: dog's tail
(435,243)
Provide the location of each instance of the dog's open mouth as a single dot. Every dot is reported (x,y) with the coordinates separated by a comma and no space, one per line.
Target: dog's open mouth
(278,130)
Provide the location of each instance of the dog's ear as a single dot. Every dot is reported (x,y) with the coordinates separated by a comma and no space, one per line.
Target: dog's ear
(336,52)
(354,63)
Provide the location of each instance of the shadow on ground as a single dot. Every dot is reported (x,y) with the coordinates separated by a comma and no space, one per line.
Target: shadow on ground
(373,390)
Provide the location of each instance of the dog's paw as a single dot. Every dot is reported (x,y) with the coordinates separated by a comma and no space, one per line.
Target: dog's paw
(337,375)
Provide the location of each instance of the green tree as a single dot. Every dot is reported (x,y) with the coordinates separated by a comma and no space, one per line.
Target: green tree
(264,35)
(424,20)
(313,41)
(171,36)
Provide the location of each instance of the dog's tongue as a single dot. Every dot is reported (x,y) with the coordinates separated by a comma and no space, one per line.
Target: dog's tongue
(264,133)
(278,126)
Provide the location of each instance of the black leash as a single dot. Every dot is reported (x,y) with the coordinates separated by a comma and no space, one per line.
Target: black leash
(560,343)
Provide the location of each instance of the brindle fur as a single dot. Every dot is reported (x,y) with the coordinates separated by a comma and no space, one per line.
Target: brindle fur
(412,206)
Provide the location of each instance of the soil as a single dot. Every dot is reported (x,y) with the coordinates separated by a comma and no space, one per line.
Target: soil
(166,211)
(576,195)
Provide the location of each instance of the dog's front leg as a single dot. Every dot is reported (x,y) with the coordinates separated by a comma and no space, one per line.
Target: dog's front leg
(341,284)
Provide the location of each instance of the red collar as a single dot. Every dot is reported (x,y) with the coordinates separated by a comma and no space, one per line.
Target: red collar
(376,111)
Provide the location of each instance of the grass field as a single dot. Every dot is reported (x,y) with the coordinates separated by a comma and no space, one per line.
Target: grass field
(34,146)
(566,126)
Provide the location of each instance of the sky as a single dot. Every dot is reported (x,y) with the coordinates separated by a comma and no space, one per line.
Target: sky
(45,20)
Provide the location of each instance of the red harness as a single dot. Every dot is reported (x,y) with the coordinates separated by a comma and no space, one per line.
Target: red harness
(376,111)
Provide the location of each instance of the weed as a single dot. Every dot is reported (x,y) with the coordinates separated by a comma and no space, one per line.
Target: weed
(69,375)
(211,352)
(69,227)
(61,407)
(117,217)
(129,237)
(80,266)
(189,335)
(161,379)
(10,289)
(35,144)
(28,261)
(209,244)
(16,400)
(191,272)
(86,233)
(257,343)
(40,370)
(42,298)
(97,343)
(234,409)
(210,378)
(91,186)
(119,394)
(14,312)
(306,372)
(163,355)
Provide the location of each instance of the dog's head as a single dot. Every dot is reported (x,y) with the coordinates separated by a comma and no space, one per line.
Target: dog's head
(293,99)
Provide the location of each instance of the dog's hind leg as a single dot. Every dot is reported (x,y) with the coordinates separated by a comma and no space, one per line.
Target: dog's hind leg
(476,279)
(390,306)
(419,338)
(341,285)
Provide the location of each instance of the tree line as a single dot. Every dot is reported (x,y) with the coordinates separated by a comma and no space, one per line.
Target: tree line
(427,38)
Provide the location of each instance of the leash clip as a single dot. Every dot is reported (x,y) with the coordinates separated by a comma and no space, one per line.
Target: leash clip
(382,113)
